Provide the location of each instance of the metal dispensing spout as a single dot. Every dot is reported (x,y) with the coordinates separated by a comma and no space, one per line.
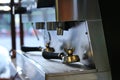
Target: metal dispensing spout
(59,31)
(60,28)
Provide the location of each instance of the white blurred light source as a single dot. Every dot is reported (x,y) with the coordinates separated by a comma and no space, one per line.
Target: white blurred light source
(4,1)
(5,8)
(8,1)
(16,1)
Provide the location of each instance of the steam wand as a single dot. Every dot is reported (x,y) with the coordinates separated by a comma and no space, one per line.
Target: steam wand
(35,31)
(47,49)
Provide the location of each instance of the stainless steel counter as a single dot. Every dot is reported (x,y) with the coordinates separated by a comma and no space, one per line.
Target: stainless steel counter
(35,67)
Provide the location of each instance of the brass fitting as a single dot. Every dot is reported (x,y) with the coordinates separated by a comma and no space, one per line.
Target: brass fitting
(48,48)
(70,57)
(59,31)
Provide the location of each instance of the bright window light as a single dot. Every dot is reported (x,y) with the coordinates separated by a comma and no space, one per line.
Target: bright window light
(5,8)
(16,1)
(4,1)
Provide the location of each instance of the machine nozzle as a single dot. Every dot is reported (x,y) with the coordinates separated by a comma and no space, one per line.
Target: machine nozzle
(59,31)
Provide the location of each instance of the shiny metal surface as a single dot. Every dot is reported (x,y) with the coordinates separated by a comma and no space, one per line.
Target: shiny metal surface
(29,68)
(38,68)
(98,45)
(84,33)
(81,9)
(76,36)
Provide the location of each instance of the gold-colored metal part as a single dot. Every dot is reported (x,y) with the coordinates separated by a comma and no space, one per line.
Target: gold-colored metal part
(69,51)
(40,25)
(70,58)
(59,31)
(48,48)
(57,13)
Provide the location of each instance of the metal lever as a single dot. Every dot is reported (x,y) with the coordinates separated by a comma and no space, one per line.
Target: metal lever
(50,55)
(65,58)
(27,49)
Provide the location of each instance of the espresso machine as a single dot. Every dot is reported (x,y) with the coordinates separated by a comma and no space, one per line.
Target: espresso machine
(72,45)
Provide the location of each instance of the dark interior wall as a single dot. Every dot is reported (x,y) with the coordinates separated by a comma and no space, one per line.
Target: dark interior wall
(111,24)
(45,3)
